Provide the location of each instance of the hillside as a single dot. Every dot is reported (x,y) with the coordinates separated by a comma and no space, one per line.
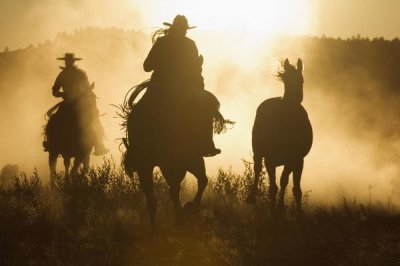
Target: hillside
(101,219)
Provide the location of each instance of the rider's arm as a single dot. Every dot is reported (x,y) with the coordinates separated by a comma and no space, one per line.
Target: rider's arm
(57,86)
(151,60)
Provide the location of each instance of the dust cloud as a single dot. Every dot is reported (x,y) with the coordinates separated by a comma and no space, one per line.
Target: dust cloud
(351,101)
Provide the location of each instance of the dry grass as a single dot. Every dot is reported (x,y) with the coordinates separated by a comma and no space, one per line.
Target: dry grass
(101,219)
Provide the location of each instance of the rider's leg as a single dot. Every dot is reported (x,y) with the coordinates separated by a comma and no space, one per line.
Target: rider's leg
(99,147)
(207,128)
(91,125)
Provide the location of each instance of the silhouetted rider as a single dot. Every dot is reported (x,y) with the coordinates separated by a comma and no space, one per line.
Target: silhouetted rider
(174,58)
(177,67)
(76,88)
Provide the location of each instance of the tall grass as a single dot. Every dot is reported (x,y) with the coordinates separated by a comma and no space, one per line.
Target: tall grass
(100,219)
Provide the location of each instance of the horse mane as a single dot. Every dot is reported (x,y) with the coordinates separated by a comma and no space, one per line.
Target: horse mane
(128,104)
(160,32)
(49,114)
(287,71)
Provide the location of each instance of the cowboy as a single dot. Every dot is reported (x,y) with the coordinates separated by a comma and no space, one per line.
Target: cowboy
(177,67)
(78,96)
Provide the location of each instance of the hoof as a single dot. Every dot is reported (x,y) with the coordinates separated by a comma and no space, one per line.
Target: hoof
(188,215)
(251,199)
(299,210)
(153,224)
(281,205)
(191,207)
(273,190)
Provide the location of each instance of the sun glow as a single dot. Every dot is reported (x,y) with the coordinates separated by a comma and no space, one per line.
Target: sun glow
(267,17)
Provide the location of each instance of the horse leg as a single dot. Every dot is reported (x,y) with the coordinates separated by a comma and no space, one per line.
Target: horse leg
(67,164)
(75,166)
(199,171)
(297,171)
(86,163)
(52,165)
(174,178)
(146,184)
(287,170)
(257,172)
(273,188)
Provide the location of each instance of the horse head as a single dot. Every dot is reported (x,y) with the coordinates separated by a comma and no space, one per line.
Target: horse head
(292,78)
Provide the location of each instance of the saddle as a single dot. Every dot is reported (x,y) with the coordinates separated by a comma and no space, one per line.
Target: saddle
(168,123)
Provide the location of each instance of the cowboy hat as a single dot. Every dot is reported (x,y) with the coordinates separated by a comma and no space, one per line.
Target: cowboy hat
(69,57)
(179,21)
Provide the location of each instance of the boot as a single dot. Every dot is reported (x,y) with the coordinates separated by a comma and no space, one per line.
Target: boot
(207,133)
(209,148)
(211,152)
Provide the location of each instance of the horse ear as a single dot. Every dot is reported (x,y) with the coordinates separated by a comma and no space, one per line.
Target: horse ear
(201,60)
(299,65)
(286,64)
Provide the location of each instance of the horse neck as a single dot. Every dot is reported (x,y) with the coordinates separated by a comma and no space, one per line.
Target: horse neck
(293,94)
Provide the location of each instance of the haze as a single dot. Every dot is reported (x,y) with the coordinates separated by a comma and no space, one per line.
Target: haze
(242,45)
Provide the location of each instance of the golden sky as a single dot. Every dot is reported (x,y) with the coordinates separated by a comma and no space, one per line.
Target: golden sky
(23,21)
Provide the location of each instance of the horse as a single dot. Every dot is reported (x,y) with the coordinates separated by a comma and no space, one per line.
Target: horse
(175,154)
(66,136)
(282,135)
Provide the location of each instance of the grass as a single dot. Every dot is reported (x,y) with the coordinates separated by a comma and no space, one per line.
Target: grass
(101,219)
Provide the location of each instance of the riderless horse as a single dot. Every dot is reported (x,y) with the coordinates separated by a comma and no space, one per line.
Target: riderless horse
(282,135)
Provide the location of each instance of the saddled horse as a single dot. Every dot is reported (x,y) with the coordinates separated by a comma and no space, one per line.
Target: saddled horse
(67,136)
(282,135)
(174,151)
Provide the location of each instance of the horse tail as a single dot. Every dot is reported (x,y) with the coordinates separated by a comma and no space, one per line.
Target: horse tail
(125,109)
(127,159)
(47,117)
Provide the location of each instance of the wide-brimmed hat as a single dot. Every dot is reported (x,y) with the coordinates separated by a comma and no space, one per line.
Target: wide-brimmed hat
(69,57)
(180,21)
